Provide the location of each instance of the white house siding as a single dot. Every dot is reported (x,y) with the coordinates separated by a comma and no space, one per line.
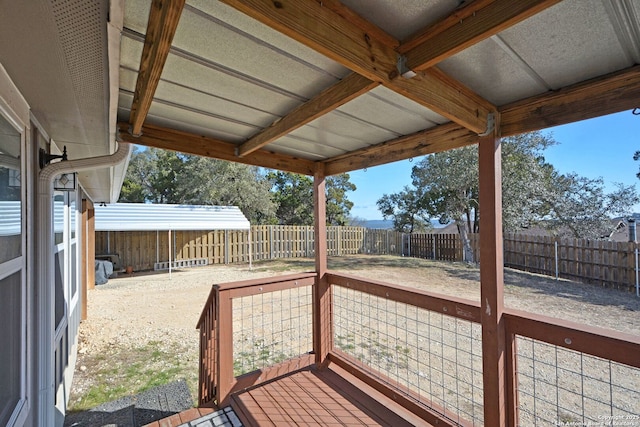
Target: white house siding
(24,366)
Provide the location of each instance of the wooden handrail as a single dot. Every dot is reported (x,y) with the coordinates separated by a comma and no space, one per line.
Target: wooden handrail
(451,306)
(599,342)
(257,286)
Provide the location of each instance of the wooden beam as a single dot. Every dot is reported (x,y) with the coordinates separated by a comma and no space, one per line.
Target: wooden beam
(344,38)
(342,92)
(467,26)
(609,94)
(492,280)
(185,142)
(161,27)
(325,31)
(433,140)
(447,97)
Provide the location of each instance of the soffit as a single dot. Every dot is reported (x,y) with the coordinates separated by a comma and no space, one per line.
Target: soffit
(56,53)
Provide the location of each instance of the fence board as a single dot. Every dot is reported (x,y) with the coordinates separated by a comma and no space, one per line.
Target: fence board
(598,262)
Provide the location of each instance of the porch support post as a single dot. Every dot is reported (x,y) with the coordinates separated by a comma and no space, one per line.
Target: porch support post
(322,336)
(492,279)
(88,248)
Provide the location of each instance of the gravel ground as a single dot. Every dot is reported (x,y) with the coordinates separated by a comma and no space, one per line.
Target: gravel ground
(133,311)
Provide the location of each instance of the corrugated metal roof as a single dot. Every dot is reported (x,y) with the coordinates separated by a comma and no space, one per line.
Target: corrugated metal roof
(231,74)
(151,217)
(249,75)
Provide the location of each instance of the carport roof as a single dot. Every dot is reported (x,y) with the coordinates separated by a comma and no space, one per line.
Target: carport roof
(163,217)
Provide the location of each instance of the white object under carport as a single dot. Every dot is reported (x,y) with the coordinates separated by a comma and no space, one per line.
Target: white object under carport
(170,218)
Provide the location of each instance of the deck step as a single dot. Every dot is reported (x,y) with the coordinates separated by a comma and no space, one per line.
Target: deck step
(200,417)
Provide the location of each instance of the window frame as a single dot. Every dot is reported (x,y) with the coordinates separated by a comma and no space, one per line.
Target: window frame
(18,264)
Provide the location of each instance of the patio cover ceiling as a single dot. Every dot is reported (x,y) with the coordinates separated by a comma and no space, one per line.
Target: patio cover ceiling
(287,84)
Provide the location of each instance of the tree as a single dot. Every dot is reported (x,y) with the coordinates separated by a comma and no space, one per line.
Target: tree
(533,192)
(338,206)
(162,176)
(579,207)
(407,211)
(218,182)
(293,195)
(155,176)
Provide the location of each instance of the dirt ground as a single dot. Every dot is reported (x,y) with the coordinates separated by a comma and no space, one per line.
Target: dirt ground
(143,325)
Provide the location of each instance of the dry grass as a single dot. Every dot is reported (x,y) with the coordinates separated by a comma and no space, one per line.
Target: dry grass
(142,313)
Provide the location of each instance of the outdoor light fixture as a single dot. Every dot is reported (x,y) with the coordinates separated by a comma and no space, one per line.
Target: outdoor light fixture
(65,182)
(45,158)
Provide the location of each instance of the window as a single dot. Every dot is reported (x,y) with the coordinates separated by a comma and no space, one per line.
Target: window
(11,354)
(10,193)
(12,276)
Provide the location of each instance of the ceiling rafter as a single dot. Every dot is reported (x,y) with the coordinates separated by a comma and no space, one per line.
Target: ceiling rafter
(607,94)
(340,93)
(465,27)
(439,138)
(161,27)
(186,142)
(332,32)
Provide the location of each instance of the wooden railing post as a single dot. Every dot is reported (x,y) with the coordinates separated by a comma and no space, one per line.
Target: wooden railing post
(492,279)
(224,333)
(322,335)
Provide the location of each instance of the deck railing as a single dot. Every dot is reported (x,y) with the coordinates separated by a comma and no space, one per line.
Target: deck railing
(423,345)
(424,350)
(251,325)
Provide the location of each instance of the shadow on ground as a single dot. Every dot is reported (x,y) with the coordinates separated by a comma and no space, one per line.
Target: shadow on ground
(134,411)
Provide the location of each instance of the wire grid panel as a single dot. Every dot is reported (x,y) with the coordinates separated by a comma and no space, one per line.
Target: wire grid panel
(436,357)
(270,328)
(557,386)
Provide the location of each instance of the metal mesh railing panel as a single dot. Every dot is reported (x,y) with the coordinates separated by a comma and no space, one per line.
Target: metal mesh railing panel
(270,328)
(558,386)
(434,357)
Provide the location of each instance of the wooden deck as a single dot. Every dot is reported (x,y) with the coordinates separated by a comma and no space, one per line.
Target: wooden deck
(311,397)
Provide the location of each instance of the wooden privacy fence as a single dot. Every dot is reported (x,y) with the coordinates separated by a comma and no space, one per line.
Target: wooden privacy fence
(599,262)
(441,247)
(591,261)
(143,249)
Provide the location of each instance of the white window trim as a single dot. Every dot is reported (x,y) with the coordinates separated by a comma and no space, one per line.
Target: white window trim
(18,264)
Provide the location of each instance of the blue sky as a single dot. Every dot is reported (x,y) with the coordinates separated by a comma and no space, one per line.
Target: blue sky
(601,147)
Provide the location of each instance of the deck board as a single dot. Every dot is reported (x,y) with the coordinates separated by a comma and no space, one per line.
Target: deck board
(328,397)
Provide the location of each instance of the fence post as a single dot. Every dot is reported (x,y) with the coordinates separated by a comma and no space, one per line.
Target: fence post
(556,250)
(226,246)
(271,242)
(637,281)
(433,249)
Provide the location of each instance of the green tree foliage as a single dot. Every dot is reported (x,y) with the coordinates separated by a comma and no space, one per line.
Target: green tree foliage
(161,176)
(534,193)
(580,207)
(407,210)
(338,205)
(293,196)
(154,176)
